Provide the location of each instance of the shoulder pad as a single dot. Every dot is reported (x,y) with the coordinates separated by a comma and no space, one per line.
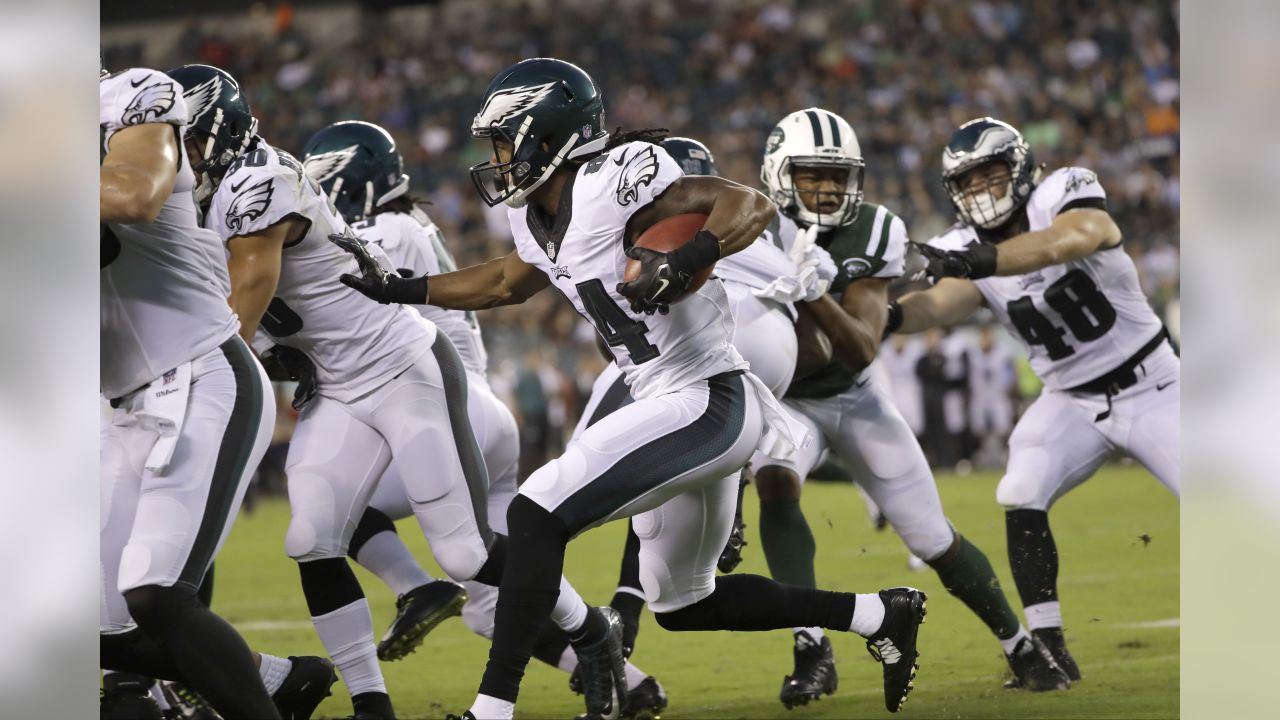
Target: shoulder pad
(138,96)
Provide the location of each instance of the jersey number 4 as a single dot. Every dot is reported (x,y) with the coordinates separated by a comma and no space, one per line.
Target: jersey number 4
(614,325)
(1076,298)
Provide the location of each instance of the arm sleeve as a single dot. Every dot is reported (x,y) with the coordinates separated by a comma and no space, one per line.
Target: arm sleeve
(895,252)
(1074,187)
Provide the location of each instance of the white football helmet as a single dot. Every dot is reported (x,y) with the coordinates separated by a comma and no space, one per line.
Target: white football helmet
(812,137)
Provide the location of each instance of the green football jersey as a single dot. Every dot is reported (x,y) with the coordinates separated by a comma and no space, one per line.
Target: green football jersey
(874,245)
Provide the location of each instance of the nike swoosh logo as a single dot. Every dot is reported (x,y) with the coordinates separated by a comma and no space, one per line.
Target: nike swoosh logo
(861,384)
(620,160)
(136,84)
(658,292)
(1165,385)
(236,188)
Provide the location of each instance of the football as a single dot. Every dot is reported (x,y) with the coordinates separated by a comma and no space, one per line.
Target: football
(667,235)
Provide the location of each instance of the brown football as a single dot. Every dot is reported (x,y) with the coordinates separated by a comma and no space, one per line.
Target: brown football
(667,235)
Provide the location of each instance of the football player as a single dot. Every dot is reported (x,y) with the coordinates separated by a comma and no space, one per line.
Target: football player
(577,199)
(813,169)
(762,283)
(360,169)
(1045,256)
(189,420)
(389,387)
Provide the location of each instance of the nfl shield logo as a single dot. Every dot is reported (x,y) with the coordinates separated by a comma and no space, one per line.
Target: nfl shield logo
(586,132)
(170,376)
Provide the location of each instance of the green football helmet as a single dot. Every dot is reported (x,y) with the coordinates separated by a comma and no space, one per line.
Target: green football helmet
(219,121)
(549,111)
(978,142)
(358,165)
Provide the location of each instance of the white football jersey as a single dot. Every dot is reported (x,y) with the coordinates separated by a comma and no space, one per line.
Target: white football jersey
(356,344)
(164,284)
(415,243)
(582,253)
(1081,319)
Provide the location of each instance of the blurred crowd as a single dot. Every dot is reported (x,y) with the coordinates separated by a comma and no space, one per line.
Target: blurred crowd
(1089,82)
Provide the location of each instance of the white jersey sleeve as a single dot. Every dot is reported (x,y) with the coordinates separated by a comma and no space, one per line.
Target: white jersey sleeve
(136,97)
(761,262)
(895,253)
(1066,189)
(261,188)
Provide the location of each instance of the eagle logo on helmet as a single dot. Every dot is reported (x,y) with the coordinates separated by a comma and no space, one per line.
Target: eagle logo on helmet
(323,166)
(641,170)
(249,205)
(511,102)
(201,98)
(151,103)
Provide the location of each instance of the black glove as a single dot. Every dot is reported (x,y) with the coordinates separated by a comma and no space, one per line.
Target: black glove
(298,368)
(894,320)
(376,283)
(974,262)
(664,277)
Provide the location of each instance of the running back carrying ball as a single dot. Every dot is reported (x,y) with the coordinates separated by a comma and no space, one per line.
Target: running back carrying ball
(667,235)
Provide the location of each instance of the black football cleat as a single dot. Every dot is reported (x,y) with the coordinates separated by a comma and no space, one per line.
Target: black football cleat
(185,703)
(418,612)
(305,687)
(815,672)
(645,701)
(126,696)
(1057,645)
(602,669)
(1034,668)
(894,646)
(731,556)
(466,715)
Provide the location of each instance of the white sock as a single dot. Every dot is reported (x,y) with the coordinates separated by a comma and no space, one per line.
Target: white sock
(273,671)
(570,611)
(1011,643)
(1044,615)
(347,635)
(868,614)
(568,660)
(813,632)
(386,556)
(635,676)
(491,708)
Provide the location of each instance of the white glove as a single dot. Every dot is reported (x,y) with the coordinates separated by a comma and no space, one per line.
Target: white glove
(916,264)
(815,269)
(786,289)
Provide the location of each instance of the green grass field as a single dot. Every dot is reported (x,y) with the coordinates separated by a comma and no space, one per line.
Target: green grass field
(1120,595)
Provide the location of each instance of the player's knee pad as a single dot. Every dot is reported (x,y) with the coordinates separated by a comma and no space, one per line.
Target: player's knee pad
(302,541)
(459,556)
(1021,492)
(774,482)
(453,532)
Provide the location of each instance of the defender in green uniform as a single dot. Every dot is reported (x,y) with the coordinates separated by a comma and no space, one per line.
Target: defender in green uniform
(813,170)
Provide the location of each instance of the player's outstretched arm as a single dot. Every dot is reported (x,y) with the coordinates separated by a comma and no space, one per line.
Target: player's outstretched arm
(855,324)
(947,303)
(506,280)
(254,265)
(1073,235)
(502,281)
(137,175)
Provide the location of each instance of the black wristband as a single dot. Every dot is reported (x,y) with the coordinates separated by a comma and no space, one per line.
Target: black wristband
(696,254)
(894,321)
(407,291)
(982,260)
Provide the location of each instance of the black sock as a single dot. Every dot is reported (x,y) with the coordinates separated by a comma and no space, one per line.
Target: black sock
(490,572)
(328,584)
(592,630)
(752,602)
(1033,555)
(134,652)
(530,585)
(210,654)
(967,574)
(551,643)
(372,522)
